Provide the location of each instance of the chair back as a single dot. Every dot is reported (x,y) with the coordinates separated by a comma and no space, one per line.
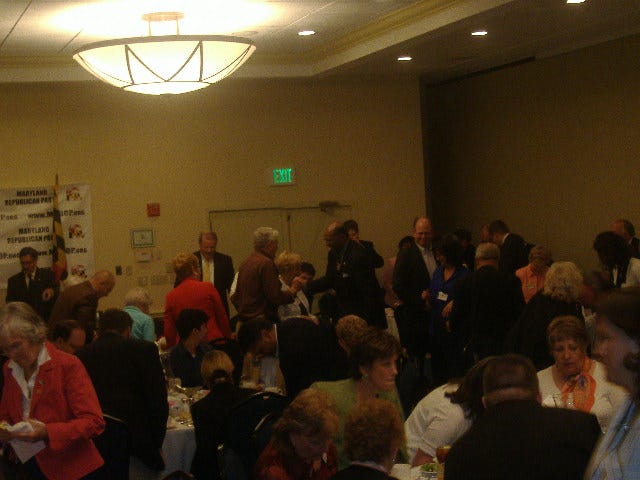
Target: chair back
(262,433)
(114,445)
(178,475)
(243,421)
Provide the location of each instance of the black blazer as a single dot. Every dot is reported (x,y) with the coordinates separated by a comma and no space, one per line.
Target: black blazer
(410,276)
(376,259)
(486,305)
(635,247)
(17,290)
(514,253)
(209,420)
(308,353)
(529,335)
(130,384)
(223,274)
(521,439)
(353,278)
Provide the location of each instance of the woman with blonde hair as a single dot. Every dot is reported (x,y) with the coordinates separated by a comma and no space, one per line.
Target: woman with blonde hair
(289,267)
(301,446)
(210,413)
(562,289)
(192,293)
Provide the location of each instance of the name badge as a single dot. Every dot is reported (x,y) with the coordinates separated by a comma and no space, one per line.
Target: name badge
(443,297)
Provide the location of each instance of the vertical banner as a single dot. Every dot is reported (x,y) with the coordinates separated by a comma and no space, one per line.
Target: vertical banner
(58,252)
(27,220)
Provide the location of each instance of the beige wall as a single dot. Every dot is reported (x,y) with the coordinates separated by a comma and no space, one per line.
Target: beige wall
(552,147)
(356,142)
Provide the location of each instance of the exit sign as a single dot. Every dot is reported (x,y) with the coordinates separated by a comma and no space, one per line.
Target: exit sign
(284,176)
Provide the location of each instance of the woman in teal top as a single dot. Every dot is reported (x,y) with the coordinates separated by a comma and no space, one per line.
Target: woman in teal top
(374,370)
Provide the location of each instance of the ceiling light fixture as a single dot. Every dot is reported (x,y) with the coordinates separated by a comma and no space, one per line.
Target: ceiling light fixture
(165,64)
(479,33)
(405,58)
(306,33)
(575,1)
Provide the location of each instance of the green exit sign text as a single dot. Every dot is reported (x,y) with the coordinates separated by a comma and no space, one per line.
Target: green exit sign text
(283,176)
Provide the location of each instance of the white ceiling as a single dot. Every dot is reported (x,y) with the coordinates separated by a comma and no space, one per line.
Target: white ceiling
(354,37)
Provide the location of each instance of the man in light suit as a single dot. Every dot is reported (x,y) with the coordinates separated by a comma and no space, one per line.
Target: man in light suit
(215,267)
(36,286)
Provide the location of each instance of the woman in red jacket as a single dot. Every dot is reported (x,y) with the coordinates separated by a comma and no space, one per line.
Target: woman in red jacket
(51,392)
(192,293)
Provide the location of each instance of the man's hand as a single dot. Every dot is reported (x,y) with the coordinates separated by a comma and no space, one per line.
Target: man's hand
(297,284)
(47,294)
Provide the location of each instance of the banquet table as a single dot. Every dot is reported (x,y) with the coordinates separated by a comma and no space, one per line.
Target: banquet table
(178,448)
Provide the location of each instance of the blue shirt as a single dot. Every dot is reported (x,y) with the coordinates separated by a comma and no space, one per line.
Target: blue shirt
(143,327)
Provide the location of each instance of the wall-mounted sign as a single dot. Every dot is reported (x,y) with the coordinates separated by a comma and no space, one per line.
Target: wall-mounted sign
(142,237)
(284,176)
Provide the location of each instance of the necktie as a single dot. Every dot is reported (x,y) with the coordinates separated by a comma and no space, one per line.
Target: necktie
(206,271)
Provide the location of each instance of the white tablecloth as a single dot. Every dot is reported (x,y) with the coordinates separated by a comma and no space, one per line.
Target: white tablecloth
(178,447)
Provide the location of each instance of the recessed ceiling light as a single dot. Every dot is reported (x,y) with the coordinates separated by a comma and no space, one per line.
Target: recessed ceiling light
(479,33)
(306,33)
(575,1)
(404,58)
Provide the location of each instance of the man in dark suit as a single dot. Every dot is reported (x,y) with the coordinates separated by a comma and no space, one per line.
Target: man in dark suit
(514,251)
(517,437)
(215,267)
(411,279)
(307,352)
(351,274)
(486,304)
(626,230)
(354,234)
(36,286)
(130,384)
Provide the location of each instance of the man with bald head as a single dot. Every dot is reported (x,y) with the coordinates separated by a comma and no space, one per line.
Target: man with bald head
(80,302)
(411,278)
(350,272)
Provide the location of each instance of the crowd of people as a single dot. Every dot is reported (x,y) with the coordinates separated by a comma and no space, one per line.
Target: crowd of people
(524,366)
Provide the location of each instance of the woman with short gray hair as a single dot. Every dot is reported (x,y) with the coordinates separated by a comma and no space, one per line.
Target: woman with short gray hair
(560,296)
(50,390)
(137,302)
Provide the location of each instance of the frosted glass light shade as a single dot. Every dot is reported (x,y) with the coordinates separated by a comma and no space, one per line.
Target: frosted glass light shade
(165,64)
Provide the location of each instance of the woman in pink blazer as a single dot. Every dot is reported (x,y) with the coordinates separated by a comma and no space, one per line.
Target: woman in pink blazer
(51,391)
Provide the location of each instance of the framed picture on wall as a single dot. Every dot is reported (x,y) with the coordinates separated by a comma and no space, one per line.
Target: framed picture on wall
(142,237)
